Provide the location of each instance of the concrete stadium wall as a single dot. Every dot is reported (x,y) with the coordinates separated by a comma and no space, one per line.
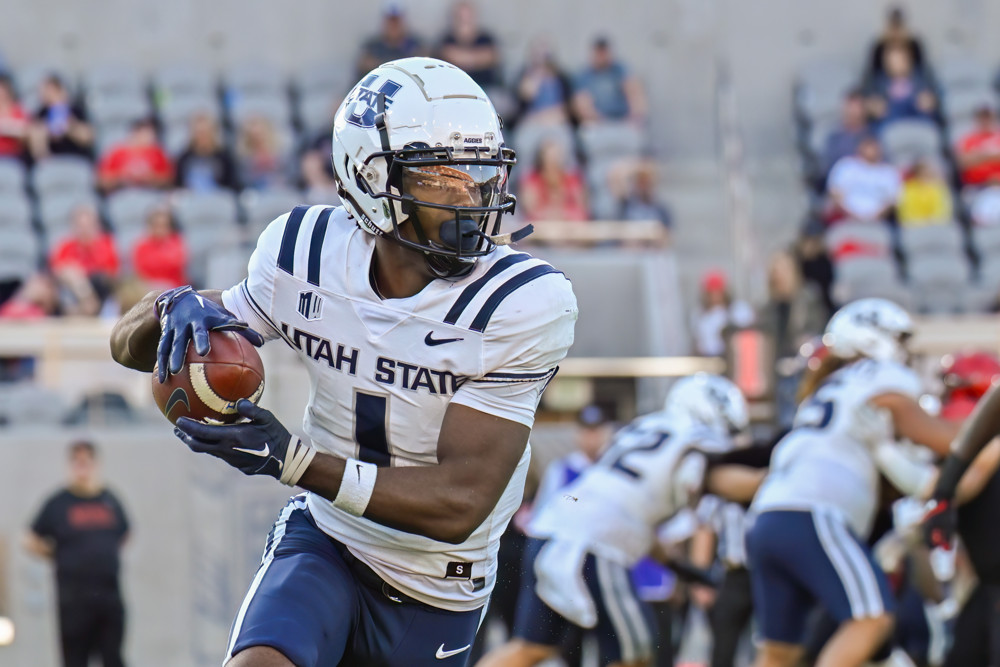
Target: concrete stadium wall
(674,45)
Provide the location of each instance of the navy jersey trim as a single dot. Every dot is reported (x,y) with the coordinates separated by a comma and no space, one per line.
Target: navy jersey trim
(286,255)
(470,292)
(518,377)
(505,290)
(263,315)
(316,245)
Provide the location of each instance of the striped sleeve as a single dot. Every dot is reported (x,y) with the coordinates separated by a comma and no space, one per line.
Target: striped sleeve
(530,330)
(250,300)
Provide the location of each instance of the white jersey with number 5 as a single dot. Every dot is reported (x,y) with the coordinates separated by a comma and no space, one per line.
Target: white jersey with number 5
(615,506)
(819,463)
(384,371)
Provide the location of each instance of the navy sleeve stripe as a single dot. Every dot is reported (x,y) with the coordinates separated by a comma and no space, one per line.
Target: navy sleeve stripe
(507,378)
(316,245)
(286,255)
(470,292)
(505,290)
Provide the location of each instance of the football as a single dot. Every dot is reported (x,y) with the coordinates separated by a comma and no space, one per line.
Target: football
(207,388)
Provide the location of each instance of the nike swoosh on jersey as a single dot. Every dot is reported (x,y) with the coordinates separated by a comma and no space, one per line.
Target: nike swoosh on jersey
(430,340)
(256,452)
(442,654)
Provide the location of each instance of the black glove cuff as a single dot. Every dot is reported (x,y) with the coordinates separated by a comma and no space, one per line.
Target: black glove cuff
(951,474)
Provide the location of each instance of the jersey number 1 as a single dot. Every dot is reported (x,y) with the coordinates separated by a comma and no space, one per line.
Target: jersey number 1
(370,424)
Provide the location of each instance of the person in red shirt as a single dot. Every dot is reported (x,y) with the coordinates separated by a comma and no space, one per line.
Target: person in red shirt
(36,298)
(139,161)
(13,122)
(85,262)
(978,153)
(159,258)
(551,191)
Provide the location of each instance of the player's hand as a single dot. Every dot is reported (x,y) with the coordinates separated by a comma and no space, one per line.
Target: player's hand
(187,316)
(260,446)
(940,523)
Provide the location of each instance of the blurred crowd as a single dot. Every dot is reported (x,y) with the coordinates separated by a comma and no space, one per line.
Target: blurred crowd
(112,184)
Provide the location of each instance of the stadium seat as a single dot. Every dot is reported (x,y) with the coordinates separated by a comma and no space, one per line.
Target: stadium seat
(15,210)
(958,128)
(323,78)
(529,137)
(179,109)
(203,242)
(61,174)
(252,79)
(606,140)
(939,282)
(963,71)
(946,239)
(195,210)
(906,140)
(986,241)
(961,103)
(316,111)
(273,107)
(228,266)
(12,175)
(18,253)
(54,211)
(118,109)
(128,209)
(30,403)
(114,80)
(821,86)
(181,80)
(861,277)
(263,206)
(871,239)
(110,134)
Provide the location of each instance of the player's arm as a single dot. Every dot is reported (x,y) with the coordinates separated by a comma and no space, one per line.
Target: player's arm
(912,422)
(734,482)
(38,545)
(477,454)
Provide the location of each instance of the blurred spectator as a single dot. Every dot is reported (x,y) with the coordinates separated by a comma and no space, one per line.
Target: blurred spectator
(260,157)
(393,42)
(85,263)
(137,162)
(159,258)
(844,140)
(978,152)
(543,89)
(895,34)
(553,191)
(317,150)
(718,314)
(901,91)
(205,164)
(60,126)
(13,121)
(82,528)
(36,298)
(795,311)
(318,182)
(861,186)
(925,198)
(815,265)
(606,91)
(637,196)
(468,46)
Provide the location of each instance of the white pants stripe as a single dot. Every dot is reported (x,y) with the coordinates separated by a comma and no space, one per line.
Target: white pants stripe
(297,503)
(848,578)
(866,575)
(633,612)
(605,580)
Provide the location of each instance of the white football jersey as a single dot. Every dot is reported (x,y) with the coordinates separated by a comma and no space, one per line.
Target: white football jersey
(819,464)
(616,505)
(384,371)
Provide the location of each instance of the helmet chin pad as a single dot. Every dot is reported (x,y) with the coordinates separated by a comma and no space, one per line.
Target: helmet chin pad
(460,234)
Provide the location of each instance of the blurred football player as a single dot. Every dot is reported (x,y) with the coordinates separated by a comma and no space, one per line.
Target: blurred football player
(605,521)
(815,510)
(428,345)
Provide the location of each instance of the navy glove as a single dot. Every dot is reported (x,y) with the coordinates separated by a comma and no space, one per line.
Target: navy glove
(184,316)
(260,446)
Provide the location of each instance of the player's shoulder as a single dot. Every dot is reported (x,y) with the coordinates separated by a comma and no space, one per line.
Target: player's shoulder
(510,291)
(300,241)
(883,376)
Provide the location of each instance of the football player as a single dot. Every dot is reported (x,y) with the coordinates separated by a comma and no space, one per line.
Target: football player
(815,510)
(428,344)
(605,521)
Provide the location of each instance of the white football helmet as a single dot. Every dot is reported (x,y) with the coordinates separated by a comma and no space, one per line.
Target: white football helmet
(873,328)
(417,140)
(711,400)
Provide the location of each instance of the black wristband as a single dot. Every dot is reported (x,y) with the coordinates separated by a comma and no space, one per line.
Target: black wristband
(951,474)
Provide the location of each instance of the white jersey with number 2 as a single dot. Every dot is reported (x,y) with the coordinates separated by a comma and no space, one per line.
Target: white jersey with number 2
(384,371)
(819,464)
